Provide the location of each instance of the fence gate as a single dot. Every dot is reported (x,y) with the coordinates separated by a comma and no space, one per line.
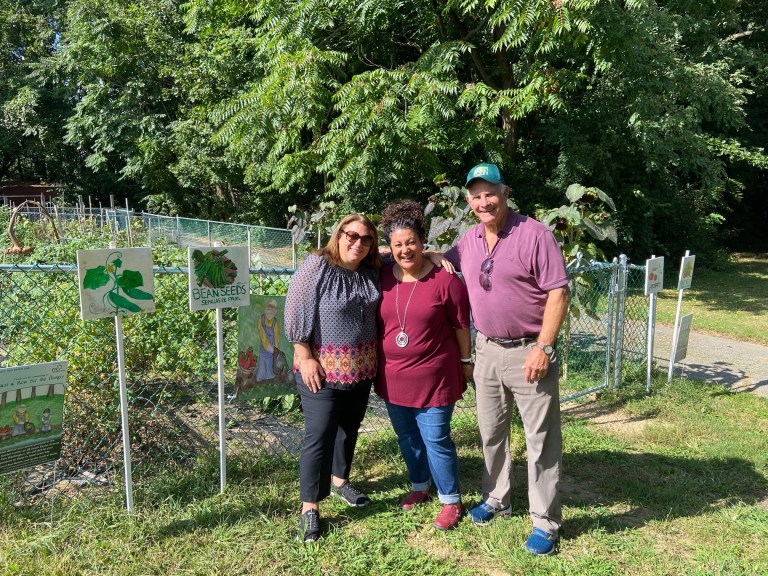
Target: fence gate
(604,338)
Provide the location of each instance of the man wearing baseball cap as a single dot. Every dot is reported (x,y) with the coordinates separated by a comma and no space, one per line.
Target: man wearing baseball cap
(518,291)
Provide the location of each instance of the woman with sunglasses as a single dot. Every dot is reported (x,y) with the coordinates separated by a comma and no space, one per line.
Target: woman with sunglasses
(330,316)
(424,360)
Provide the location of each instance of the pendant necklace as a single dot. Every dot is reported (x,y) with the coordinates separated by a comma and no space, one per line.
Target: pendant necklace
(402,338)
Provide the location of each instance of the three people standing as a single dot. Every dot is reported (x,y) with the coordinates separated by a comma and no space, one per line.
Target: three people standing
(517,286)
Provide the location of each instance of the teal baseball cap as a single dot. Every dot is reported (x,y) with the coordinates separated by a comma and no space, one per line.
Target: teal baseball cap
(488,172)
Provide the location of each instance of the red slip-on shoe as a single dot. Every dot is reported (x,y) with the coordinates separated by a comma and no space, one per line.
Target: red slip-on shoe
(449,516)
(413,498)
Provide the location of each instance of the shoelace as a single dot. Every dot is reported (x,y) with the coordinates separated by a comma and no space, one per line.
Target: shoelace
(350,490)
(311,519)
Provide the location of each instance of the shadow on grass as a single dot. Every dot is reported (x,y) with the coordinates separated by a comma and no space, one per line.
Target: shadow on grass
(722,373)
(654,487)
(645,486)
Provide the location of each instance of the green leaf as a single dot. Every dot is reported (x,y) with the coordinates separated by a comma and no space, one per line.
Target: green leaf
(117,263)
(601,231)
(120,302)
(95,278)
(604,197)
(138,294)
(130,279)
(574,192)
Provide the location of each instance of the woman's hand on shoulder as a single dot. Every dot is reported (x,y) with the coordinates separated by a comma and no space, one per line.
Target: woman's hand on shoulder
(439,260)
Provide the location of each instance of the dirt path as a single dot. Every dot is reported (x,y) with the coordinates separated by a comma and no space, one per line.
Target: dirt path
(740,366)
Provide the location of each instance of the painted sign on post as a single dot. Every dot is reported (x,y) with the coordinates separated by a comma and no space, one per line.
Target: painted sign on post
(218,277)
(31,413)
(264,357)
(683,333)
(654,275)
(686,272)
(115,282)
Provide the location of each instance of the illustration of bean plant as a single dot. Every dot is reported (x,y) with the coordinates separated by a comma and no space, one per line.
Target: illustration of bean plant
(127,281)
(213,269)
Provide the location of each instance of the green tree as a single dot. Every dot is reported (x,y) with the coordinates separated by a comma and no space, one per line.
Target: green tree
(32,109)
(240,110)
(361,102)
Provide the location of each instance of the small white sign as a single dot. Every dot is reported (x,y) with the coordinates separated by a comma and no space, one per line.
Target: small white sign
(115,282)
(683,333)
(654,275)
(686,272)
(219,277)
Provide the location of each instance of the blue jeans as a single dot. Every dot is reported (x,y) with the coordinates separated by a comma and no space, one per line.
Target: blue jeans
(424,436)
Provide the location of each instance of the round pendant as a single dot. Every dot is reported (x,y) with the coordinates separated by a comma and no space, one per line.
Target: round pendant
(401,339)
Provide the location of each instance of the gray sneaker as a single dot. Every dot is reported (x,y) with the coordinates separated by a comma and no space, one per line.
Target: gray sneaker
(351,495)
(309,526)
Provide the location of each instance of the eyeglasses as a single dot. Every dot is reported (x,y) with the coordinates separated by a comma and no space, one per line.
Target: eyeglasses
(485,274)
(353,237)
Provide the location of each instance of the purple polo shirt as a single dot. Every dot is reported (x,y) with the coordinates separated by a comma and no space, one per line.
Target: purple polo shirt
(527,264)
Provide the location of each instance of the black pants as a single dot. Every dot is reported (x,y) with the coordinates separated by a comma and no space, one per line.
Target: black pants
(331,421)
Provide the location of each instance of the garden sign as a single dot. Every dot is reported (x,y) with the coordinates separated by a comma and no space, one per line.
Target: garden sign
(31,410)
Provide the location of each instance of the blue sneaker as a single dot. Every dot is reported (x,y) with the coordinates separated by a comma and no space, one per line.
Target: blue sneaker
(541,543)
(484,513)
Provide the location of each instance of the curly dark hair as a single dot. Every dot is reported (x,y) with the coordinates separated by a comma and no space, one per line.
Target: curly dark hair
(403,214)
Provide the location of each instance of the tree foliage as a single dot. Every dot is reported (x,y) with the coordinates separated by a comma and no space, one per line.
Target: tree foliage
(244,109)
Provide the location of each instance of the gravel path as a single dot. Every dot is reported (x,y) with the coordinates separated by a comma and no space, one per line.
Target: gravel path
(739,366)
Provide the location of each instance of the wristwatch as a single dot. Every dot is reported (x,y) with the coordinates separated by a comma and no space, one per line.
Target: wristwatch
(547,348)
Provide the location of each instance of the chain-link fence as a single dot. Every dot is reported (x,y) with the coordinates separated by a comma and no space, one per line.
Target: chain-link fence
(269,247)
(604,339)
(172,370)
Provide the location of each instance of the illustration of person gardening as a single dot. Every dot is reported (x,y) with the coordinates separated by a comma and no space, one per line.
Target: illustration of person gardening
(20,420)
(269,334)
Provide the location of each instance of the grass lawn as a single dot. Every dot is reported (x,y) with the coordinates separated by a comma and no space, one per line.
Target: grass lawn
(732,301)
(675,483)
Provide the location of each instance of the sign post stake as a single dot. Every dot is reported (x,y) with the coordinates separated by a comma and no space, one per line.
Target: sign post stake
(654,283)
(124,414)
(219,278)
(684,281)
(222,415)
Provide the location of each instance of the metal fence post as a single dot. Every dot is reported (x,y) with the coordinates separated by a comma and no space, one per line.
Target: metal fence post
(249,246)
(621,293)
(610,320)
(178,232)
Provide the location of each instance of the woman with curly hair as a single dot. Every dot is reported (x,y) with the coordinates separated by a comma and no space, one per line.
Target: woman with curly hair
(424,360)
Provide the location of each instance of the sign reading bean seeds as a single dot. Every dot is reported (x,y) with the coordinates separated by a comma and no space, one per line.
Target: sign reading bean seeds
(218,277)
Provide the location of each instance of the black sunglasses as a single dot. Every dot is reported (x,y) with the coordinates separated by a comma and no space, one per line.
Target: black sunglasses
(354,237)
(485,274)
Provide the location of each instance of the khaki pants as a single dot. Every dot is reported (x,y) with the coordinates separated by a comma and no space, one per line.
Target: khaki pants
(499,381)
